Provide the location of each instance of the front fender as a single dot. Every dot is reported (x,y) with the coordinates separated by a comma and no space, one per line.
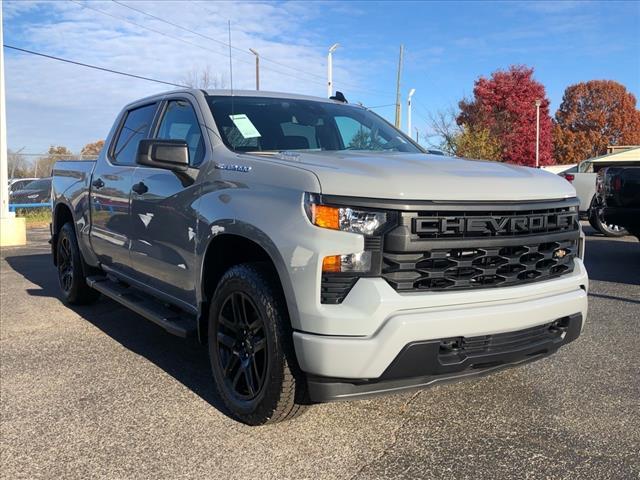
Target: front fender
(230,226)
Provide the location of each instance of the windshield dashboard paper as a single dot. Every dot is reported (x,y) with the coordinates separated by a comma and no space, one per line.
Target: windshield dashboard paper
(245,126)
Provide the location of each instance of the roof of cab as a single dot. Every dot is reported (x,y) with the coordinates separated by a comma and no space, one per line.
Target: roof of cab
(235,93)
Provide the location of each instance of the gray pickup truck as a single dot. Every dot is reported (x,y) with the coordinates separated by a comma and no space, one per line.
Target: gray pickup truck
(316,250)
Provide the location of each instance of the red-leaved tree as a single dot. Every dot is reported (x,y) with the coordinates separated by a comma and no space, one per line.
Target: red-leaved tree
(505,107)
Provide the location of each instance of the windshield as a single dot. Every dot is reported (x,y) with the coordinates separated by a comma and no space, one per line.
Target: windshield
(259,124)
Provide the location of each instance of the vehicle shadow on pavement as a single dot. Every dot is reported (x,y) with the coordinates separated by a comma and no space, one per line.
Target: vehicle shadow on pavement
(613,260)
(185,360)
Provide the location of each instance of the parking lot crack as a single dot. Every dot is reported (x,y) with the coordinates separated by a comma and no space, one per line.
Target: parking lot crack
(394,437)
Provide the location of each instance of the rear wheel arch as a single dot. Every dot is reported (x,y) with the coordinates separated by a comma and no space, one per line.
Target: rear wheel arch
(223,252)
(61,215)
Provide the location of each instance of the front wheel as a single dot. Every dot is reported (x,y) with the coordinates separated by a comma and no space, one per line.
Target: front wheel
(600,223)
(70,272)
(251,347)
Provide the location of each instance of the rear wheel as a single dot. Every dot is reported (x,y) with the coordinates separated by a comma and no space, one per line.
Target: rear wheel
(70,272)
(600,223)
(251,348)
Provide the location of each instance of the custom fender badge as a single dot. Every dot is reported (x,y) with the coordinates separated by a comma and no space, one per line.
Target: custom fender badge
(235,168)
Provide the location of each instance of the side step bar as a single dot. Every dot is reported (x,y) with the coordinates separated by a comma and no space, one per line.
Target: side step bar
(174,322)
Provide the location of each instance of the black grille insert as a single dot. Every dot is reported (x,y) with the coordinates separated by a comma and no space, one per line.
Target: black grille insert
(468,268)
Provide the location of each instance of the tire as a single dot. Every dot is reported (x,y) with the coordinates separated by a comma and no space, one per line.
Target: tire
(597,221)
(251,348)
(71,275)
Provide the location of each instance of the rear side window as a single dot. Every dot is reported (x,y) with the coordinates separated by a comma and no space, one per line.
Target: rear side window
(135,128)
(181,123)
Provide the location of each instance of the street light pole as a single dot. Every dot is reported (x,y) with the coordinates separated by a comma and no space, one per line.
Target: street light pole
(12,229)
(330,69)
(257,68)
(538,103)
(411,92)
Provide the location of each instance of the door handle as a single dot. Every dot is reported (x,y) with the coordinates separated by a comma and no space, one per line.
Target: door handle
(97,183)
(140,188)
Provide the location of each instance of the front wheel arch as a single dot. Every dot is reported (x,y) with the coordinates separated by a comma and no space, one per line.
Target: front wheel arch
(223,252)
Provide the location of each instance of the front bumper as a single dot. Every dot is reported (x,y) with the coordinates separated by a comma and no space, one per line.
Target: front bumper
(402,320)
(422,364)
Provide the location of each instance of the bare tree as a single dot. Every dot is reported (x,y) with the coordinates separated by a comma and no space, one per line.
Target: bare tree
(17,163)
(445,131)
(204,79)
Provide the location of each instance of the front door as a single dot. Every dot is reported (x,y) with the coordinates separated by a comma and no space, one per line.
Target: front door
(111,190)
(163,204)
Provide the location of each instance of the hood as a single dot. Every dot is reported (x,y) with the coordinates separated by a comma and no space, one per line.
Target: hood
(429,177)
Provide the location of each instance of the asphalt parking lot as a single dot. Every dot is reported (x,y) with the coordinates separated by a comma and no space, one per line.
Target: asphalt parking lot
(100,392)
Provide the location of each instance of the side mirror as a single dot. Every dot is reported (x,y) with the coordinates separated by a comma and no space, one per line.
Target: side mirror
(167,154)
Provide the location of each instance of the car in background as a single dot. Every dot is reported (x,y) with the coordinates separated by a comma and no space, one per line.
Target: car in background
(619,196)
(37,191)
(20,183)
(583,178)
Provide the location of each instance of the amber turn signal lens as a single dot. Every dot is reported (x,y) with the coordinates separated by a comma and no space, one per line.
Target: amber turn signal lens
(332,263)
(326,217)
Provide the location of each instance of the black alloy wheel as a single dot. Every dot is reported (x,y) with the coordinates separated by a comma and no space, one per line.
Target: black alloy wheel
(71,276)
(242,346)
(250,342)
(598,221)
(65,265)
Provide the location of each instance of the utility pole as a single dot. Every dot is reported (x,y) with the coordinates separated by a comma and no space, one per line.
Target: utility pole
(330,69)
(538,103)
(12,229)
(398,107)
(411,92)
(257,68)
(417,136)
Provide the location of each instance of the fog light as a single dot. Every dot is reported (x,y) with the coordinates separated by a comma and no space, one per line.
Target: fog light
(353,262)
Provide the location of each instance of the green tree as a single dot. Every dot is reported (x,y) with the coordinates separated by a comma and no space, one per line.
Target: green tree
(478,143)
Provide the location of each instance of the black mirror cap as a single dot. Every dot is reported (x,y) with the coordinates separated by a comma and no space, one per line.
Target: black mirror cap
(167,154)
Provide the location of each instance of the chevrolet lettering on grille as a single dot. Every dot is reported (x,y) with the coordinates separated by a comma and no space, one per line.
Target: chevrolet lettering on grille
(495,225)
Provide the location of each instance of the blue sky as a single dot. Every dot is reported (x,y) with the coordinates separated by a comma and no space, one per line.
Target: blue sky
(448,45)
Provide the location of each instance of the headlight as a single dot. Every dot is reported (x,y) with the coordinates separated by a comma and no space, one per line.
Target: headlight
(347,219)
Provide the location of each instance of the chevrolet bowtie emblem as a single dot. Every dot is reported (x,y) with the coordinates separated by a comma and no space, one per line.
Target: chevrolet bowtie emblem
(560,253)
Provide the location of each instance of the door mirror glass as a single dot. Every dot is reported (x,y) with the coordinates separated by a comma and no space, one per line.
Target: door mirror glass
(167,154)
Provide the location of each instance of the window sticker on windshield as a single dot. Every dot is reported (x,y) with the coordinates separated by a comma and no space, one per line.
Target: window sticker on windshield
(244,125)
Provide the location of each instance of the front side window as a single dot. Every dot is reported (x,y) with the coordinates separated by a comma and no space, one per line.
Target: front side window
(260,124)
(135,128)
(181,123)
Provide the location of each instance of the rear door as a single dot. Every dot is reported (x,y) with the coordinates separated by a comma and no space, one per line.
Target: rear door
(111,190)
(164,220)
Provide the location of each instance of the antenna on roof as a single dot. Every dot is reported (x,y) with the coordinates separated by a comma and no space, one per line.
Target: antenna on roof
(233,110)
(230,58)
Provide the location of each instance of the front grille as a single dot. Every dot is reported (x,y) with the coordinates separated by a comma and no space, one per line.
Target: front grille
(458,268)
(444,224)
(446,249)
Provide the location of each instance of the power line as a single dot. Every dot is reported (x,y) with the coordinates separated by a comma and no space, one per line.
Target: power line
(220,42)
(193,32)
(179,39)
(381,106)
(95,67)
